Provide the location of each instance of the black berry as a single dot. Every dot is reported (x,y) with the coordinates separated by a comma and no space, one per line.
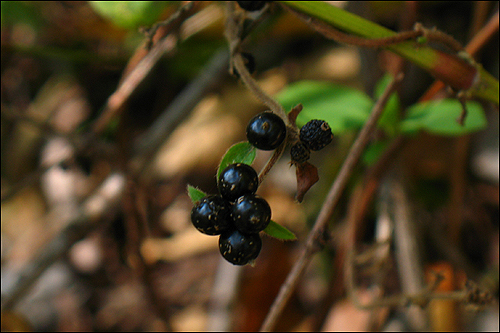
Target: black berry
(211,215)
(266,131)
(239,248)
(251,214)
(237,180)
(299,153)
(316,134)
(251,6)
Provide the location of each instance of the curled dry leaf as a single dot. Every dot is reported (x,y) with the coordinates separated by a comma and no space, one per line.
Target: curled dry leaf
(307,176)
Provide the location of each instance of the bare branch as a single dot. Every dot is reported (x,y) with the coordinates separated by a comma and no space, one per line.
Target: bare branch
(328,207)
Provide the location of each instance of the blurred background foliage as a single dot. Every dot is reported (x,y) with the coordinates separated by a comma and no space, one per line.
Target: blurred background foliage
(61,62)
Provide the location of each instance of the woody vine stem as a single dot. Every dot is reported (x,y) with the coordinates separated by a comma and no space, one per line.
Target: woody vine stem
(233,32)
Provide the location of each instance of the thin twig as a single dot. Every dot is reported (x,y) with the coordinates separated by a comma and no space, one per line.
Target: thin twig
(147,145)
(471,295)
(419,31)
(475,44)
(232,35)
(328,207)
(128,86)
(255,89)
(407,252)
(483,35)
(130,83)
(274,158)
(175,16)
(400,300)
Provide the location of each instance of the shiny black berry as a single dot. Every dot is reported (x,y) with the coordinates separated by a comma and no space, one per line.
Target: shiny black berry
(239,248)
(299,153)
(251,213)
(266,131)
(237,180)
(211,215)
(316,134)
(251,6)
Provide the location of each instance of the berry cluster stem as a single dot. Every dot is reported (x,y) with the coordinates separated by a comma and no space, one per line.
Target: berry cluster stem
(233,37)
(236,60)
(274,158)
(255,89)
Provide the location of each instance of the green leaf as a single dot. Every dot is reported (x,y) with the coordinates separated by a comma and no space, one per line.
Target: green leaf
(195,194)
(459,73)
(440,117)
(277,231)
(242,152)
(14,12)
(343,108)
(373,152)
(130,14)
(389,121)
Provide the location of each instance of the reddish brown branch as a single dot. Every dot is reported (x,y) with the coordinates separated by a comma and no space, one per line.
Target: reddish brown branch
(327,209)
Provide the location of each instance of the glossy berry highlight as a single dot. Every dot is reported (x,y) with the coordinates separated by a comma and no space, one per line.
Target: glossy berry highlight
(316,134)
(239,248)
(211,215)
(266,131)
(251,214)
(237,180)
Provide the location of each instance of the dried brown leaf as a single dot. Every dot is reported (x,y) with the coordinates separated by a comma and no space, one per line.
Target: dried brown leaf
(307,176)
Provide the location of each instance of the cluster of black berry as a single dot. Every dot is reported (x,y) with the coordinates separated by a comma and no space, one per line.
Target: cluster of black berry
(314,135)
(237,214)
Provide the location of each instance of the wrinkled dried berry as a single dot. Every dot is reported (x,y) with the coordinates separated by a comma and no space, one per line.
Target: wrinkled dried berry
(237,180)
(299,153)
(251,213)
(211,215)
(239,248)
(316,134)
(266,131)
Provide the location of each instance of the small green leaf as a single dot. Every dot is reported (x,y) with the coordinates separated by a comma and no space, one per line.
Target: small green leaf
(130,14)
(195,194)
(343,108)
(277,231)
(242,152)
(389,121)
(440,117)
